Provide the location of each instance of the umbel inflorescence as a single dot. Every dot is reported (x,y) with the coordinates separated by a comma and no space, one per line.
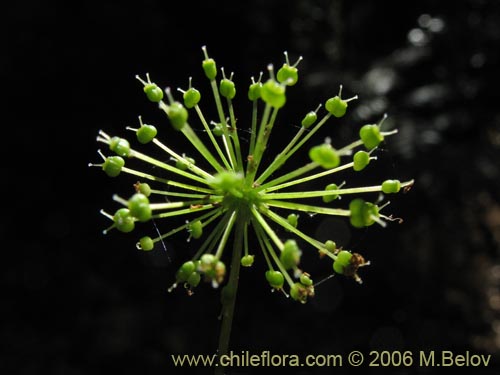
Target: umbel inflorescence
(237,198)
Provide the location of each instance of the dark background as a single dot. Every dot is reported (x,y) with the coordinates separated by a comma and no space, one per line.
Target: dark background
(76,302)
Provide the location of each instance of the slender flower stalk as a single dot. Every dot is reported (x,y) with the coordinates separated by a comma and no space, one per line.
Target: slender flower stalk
(233,197)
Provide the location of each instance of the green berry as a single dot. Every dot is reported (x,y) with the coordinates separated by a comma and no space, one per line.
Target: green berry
(146,243)
(338,268)
(177,115)
(344,257)
(217,129)
(361,159)
(193,280)
(227,88)
(371,136)
(342,261)
(273,94)
(362,213)
(191,97)
(325,155)
(356,215)
(330,198)
(113,165)
(305,280)
(309,119)
(336,106)
(120,146)
(275,279)
(247,260)
(287,75)
(146,133)
(185,271)
(153,92)
(143,188)
(290,256)
(330,245)
(254,91)
(293,220)
(195,228)
(210,68)
(139,207)
(123,220)
(391,186)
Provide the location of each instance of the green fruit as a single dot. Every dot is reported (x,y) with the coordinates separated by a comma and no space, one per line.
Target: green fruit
(273,94)
(391,186)
(371,136)
(361,159)
(325,155)
(275,279)
(336,106)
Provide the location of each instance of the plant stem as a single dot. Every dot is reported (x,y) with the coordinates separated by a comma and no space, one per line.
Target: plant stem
(229,294)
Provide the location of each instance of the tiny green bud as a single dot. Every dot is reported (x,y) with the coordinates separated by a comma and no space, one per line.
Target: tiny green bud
(120,146)
(191,97)
(363,214)
(361,159)
(330,245)
(325,155)
(227,88)
(210,68)
(309,119)
(177,115)
(146,243)
(336,106)
(123,220)
(146,133)
(193,280)
(247,260)
(275,279)
(273,94)
(330,198)
(195,228)
(143,188)
(391,186)
(139,207)
(371,136)
(113,165)
(254,91)
(217,129)
(153,92)
(287,75)
(185,271)
(290,256)
(305,279)
(342,261)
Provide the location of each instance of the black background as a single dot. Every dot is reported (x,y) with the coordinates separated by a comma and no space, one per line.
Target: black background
(77,302)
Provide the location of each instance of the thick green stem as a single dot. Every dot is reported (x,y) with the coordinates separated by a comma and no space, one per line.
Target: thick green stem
(229,293)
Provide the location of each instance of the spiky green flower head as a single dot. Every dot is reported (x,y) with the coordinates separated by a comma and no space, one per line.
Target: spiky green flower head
(237,211)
